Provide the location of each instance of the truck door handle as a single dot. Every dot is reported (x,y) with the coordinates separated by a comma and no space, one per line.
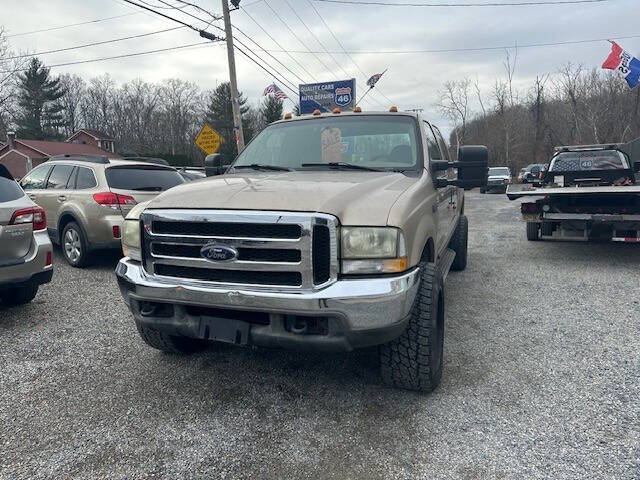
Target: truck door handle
(32,196)
(61,198)
(434,207)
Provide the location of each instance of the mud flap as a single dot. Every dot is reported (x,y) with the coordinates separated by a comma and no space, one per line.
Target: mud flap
(224,330)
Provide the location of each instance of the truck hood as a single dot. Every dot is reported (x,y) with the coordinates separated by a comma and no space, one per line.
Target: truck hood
(356,198)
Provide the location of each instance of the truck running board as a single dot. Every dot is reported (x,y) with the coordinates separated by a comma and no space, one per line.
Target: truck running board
(445,261)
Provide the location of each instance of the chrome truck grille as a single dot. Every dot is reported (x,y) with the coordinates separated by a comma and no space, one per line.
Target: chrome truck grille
(274,250)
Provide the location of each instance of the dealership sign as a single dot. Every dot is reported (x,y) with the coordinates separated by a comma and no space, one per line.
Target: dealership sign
(327,96)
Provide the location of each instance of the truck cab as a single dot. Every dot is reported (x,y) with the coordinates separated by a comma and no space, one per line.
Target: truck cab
(331,232)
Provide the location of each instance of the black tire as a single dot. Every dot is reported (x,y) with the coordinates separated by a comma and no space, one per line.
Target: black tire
(458,244)
(547,228)
(74,245)
(19,296)
(170,343)
(414,360)
(483,190)
(533,231)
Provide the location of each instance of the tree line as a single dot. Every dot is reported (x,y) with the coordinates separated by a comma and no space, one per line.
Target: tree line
(154,119)
(573,106)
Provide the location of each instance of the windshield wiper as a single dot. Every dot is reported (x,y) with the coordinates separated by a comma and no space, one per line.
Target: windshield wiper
(260,166)
(342,165)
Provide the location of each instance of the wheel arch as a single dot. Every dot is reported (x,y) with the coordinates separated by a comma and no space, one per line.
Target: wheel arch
(66,218)
(429,251)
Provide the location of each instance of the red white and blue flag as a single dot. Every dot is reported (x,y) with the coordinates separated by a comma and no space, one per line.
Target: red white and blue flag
(273,88)
(624,63)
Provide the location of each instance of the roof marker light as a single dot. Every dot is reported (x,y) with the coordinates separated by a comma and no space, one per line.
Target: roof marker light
(393,108)
(287,116)
(357,109)
(336,110)
(316,112)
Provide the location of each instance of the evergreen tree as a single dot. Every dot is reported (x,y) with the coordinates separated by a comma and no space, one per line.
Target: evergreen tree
(271,109)
(220,116)
(38,94)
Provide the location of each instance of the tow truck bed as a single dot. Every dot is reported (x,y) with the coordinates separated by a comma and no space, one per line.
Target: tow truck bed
(518,191)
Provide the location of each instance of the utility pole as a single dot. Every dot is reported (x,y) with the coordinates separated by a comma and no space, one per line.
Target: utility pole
(237,119)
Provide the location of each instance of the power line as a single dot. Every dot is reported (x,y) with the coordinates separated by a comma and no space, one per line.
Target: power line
(277,43)
(119,56)
(469,49)
(44,52)
(203,33)
(343,49)
(269,53)
(214,17)
(295,35)
(295,92)
(492,4)
(70,25)
(161,7)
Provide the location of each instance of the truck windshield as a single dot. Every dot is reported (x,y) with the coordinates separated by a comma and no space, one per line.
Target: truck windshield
(589,160)
(381,142)
(501,171)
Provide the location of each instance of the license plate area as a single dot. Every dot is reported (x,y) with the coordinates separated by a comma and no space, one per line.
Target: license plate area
(530,217)
(225,330)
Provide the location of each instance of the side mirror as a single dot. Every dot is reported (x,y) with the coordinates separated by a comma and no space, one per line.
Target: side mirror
(473,166)
(213,165)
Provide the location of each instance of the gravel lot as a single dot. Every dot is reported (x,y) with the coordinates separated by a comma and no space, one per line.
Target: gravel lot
(541,380)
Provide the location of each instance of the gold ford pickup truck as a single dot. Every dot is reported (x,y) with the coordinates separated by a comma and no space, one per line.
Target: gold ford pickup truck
(328,232)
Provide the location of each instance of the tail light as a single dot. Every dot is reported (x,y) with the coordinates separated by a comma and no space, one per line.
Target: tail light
(34,215)
(113,200)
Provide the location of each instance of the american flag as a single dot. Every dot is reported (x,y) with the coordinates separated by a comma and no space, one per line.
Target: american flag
(373,79)
(273,88)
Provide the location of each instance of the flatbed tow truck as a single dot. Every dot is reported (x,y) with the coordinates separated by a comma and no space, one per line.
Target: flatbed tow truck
(589,192)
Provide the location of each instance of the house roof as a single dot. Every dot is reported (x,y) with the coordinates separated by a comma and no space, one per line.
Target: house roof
(49,148)
(97,134)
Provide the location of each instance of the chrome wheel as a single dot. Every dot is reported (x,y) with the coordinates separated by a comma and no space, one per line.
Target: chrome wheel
(72,245)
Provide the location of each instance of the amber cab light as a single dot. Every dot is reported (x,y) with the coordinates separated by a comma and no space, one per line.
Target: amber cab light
(34,215)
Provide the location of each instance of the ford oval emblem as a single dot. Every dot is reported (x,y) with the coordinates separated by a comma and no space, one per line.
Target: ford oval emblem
(218,253)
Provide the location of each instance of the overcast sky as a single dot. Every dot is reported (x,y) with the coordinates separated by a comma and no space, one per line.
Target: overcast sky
(411,81)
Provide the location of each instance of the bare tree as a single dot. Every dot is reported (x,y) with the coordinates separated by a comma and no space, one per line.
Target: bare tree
(75,90)
(454,104)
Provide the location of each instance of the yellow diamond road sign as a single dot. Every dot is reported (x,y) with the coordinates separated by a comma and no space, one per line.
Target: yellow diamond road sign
(208,140)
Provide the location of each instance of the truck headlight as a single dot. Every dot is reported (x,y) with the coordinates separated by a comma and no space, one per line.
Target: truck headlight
(131,240)
(373,250)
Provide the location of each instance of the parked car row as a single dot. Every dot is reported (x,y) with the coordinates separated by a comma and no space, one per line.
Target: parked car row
(25,248)
(84,199)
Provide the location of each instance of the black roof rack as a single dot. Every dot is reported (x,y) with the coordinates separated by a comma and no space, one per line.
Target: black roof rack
(80,158)
(578,148)
(154,160)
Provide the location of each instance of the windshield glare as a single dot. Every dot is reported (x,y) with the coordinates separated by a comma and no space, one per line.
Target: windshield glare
(382,142)
(499,171)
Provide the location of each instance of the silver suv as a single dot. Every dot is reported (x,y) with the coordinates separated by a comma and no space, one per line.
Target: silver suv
(25,248)
(86,199)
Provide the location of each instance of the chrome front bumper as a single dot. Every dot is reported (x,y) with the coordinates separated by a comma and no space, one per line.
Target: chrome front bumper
(362,305)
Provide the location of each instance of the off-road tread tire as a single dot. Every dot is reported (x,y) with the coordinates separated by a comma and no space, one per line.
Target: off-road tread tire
(169,343)
(19,296)
(406,362)
(533,231)
(459,244)
(547,228)
(84,258)
(483,190)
